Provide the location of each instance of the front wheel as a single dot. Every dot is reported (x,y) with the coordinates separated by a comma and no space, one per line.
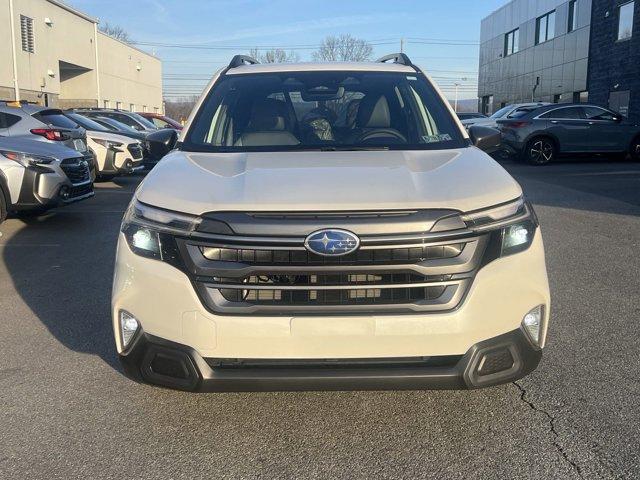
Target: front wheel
(635,150)
(540,151)
(3,207)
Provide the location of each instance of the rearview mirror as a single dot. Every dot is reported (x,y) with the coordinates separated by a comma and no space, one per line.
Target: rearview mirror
(161,142)
(485,138)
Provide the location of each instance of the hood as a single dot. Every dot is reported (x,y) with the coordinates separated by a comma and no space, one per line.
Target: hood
(38,147)
(112,137)
(464,179)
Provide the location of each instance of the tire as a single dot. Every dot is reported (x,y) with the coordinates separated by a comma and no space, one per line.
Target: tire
(540,151)
(3,207)
(634,151)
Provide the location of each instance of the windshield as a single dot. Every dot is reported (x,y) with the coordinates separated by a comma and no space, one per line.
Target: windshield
(116,125)
(144,121)
(502,112)
(86,123)
(322,110)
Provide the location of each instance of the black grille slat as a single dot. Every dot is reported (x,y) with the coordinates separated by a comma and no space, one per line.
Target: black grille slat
(303,257)
(76,171)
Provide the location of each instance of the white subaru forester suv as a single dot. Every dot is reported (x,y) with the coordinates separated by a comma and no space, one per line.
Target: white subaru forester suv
(329,226)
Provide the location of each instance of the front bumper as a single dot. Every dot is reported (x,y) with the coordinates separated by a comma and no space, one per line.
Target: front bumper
(43,187)
(498,360)
(502,292)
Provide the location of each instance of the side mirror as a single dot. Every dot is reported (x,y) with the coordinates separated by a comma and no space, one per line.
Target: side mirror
(161,142)
(485,138)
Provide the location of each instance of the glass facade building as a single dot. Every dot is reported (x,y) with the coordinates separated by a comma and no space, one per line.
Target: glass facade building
(534,51)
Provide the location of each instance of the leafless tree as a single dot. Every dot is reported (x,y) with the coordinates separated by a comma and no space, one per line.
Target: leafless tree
(116,32)
(179,108)
(276,55)
(343,48)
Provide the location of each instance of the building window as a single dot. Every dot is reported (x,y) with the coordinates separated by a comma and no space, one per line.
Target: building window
(106,104)
(619,102)
(573,16)
(557,98)
(581,97)
(118,105)
(487,104)
(26,32)
(625,21)
(132,107)
(511,41)
(545,27)
(144,108)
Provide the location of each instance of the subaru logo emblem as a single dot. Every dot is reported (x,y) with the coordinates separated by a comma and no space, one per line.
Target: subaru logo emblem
(332,242)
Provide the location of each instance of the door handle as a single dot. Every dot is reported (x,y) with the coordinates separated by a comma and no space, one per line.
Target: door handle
(554,121)
(591,123)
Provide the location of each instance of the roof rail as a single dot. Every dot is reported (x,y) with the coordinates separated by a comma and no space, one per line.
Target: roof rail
(239,60)
(399,58)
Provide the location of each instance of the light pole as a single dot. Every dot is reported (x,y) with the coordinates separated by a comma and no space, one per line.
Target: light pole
(455,102)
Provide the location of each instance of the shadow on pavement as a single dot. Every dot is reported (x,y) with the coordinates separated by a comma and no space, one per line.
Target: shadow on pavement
(61,264)
(590,184)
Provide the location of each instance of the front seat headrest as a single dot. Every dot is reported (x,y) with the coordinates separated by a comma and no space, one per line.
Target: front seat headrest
(268,114)
(373,112)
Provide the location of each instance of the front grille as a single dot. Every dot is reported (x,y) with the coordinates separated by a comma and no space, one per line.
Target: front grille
(79,191)
(77,170)
(135,150)
(304,257)
(334,289)
(272,275)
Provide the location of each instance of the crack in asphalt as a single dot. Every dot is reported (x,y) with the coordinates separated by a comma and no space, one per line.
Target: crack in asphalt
(552,427)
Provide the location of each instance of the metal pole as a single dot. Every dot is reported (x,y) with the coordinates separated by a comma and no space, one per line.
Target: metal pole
(402,45)
(16,87)
(95,44)
(455,103)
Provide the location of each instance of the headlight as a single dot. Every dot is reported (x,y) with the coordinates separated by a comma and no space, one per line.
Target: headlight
(513,223)
(26,159)
(145,226)
(107,143)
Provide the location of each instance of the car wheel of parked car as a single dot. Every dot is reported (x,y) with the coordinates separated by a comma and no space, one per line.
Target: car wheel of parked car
(3,207)
(540,151)
(635,150)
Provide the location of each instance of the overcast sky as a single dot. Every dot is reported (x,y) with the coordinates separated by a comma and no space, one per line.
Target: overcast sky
(225,27)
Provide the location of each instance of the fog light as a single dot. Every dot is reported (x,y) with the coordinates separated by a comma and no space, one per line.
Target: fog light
(128,327)
(532,324)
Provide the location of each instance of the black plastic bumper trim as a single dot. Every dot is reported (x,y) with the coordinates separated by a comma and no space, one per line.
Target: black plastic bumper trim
(201,377)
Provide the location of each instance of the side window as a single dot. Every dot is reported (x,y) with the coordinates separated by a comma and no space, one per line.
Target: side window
(594,113)
(126,120)
(7,120)
(569,113)
(160,123)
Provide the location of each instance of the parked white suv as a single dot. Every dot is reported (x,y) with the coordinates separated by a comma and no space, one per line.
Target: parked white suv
(115,154)
(329,226)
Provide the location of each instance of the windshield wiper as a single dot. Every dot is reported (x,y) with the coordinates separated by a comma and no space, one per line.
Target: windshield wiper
(351,149)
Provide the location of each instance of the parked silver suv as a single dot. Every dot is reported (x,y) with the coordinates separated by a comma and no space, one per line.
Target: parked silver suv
(35,175)
(44,124)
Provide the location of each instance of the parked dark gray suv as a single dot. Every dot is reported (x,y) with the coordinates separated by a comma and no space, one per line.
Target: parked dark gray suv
(540,135)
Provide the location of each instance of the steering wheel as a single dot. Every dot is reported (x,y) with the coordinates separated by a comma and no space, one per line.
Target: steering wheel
(379,134)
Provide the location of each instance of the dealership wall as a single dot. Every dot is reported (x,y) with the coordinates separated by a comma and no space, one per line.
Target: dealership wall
(72,64)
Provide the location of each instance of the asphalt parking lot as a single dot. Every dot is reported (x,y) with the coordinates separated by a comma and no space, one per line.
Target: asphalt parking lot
(66,410)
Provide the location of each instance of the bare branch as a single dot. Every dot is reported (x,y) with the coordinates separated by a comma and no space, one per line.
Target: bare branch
(274,56)
(116,32)
(343,48)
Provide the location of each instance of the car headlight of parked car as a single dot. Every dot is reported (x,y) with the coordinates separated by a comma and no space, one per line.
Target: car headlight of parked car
(107,143)
(27,159)
(513,222)
(145,226)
